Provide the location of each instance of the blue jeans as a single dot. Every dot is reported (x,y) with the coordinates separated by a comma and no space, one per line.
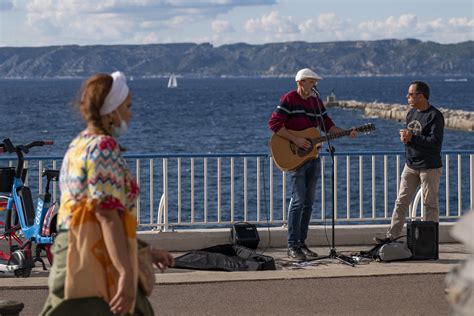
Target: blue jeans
(304,181)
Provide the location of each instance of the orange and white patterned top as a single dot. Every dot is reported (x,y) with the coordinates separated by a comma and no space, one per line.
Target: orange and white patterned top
(94,175)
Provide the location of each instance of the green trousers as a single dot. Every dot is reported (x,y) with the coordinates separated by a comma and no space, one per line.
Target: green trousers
(56,304)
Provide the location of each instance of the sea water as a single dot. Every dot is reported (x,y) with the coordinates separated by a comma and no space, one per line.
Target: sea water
(217,115)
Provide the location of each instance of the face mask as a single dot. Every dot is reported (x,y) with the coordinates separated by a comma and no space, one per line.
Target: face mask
(120,130)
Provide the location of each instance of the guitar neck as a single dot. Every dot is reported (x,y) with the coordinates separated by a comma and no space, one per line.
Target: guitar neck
(331,136)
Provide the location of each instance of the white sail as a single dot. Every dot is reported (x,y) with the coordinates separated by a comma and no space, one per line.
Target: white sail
(172,83)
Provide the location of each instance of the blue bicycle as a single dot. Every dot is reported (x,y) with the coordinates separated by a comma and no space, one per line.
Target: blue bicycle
(25,225)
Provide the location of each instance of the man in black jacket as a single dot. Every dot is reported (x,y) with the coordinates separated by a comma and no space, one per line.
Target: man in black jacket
(423,137)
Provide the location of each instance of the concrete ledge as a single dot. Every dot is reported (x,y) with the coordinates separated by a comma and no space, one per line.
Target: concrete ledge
(275,237)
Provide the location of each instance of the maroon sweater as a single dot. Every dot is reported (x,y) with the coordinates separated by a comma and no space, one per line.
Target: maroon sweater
(296,113)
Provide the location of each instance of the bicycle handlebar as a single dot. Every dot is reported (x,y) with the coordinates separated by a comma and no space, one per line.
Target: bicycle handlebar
(7,145)
(37,143)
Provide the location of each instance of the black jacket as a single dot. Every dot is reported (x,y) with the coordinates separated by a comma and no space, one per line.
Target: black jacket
(423,151)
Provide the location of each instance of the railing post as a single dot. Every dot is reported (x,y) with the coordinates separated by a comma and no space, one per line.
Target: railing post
(398,174)
(192,191)
(245,189)
(459,187)
(323,191)
(165,192)
(137,179)
(152,190)
(270,177)
(40,178)
(335,188)
(179,189)
(55,185)
(361,187)
(283,195)
(472,180)
(385,185)
(348,186)
(205,190)
(258,189)
(373,188)
(447,185)
(219,190)
(232,189)
(25,165)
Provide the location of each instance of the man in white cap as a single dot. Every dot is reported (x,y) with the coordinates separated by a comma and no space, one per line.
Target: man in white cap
(298,110)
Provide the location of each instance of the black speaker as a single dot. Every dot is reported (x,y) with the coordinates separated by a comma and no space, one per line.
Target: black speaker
(245,234)
(422,239)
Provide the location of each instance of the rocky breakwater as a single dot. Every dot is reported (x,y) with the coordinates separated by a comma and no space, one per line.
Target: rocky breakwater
(456,119)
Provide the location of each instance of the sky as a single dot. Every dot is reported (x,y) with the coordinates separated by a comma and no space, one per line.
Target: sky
(91,22)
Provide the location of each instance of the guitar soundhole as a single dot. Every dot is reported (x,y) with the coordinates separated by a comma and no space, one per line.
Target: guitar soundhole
(293,148)
(300,151)
(303,152)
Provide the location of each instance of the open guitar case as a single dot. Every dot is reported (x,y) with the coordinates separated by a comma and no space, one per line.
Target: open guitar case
(226,257)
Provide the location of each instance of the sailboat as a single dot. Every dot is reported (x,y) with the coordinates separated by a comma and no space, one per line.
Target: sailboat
(172,83)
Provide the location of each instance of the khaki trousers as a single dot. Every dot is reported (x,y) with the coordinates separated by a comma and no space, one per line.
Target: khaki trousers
(410,180)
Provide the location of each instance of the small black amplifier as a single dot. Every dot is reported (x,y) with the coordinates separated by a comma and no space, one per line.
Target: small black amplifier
(422,239)
(245,234)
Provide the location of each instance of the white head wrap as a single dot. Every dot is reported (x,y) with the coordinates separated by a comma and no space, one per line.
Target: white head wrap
(117,94)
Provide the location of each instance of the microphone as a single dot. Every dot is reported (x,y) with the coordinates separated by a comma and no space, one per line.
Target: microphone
(316,92)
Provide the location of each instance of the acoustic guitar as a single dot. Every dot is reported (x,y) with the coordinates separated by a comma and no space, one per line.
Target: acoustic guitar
(288,156)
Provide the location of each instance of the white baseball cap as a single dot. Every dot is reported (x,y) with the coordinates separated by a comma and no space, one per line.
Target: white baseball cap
(306,73)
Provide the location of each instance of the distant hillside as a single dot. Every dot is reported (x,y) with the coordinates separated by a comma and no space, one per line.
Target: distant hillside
(354,58)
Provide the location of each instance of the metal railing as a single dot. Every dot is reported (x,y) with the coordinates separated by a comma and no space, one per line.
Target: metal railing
(212,190)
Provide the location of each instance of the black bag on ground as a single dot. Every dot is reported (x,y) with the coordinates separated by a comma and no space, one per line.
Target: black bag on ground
(225,258)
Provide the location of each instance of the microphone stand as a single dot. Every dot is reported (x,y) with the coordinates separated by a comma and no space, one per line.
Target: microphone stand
(332,252)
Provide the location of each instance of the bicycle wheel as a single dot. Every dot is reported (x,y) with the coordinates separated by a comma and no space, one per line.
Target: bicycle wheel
(49,254)
(4,246)
(10,240)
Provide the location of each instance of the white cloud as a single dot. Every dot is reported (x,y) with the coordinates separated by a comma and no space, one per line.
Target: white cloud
(391,27)
(271,23)
(53,22)
(113,21)
(408,25)
(273,27)
(74,20)
(328,22)
(222,26)
(463,24)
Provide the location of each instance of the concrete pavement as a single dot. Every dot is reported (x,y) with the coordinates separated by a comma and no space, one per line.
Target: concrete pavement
(324,287)
(375,295)
(450,255)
